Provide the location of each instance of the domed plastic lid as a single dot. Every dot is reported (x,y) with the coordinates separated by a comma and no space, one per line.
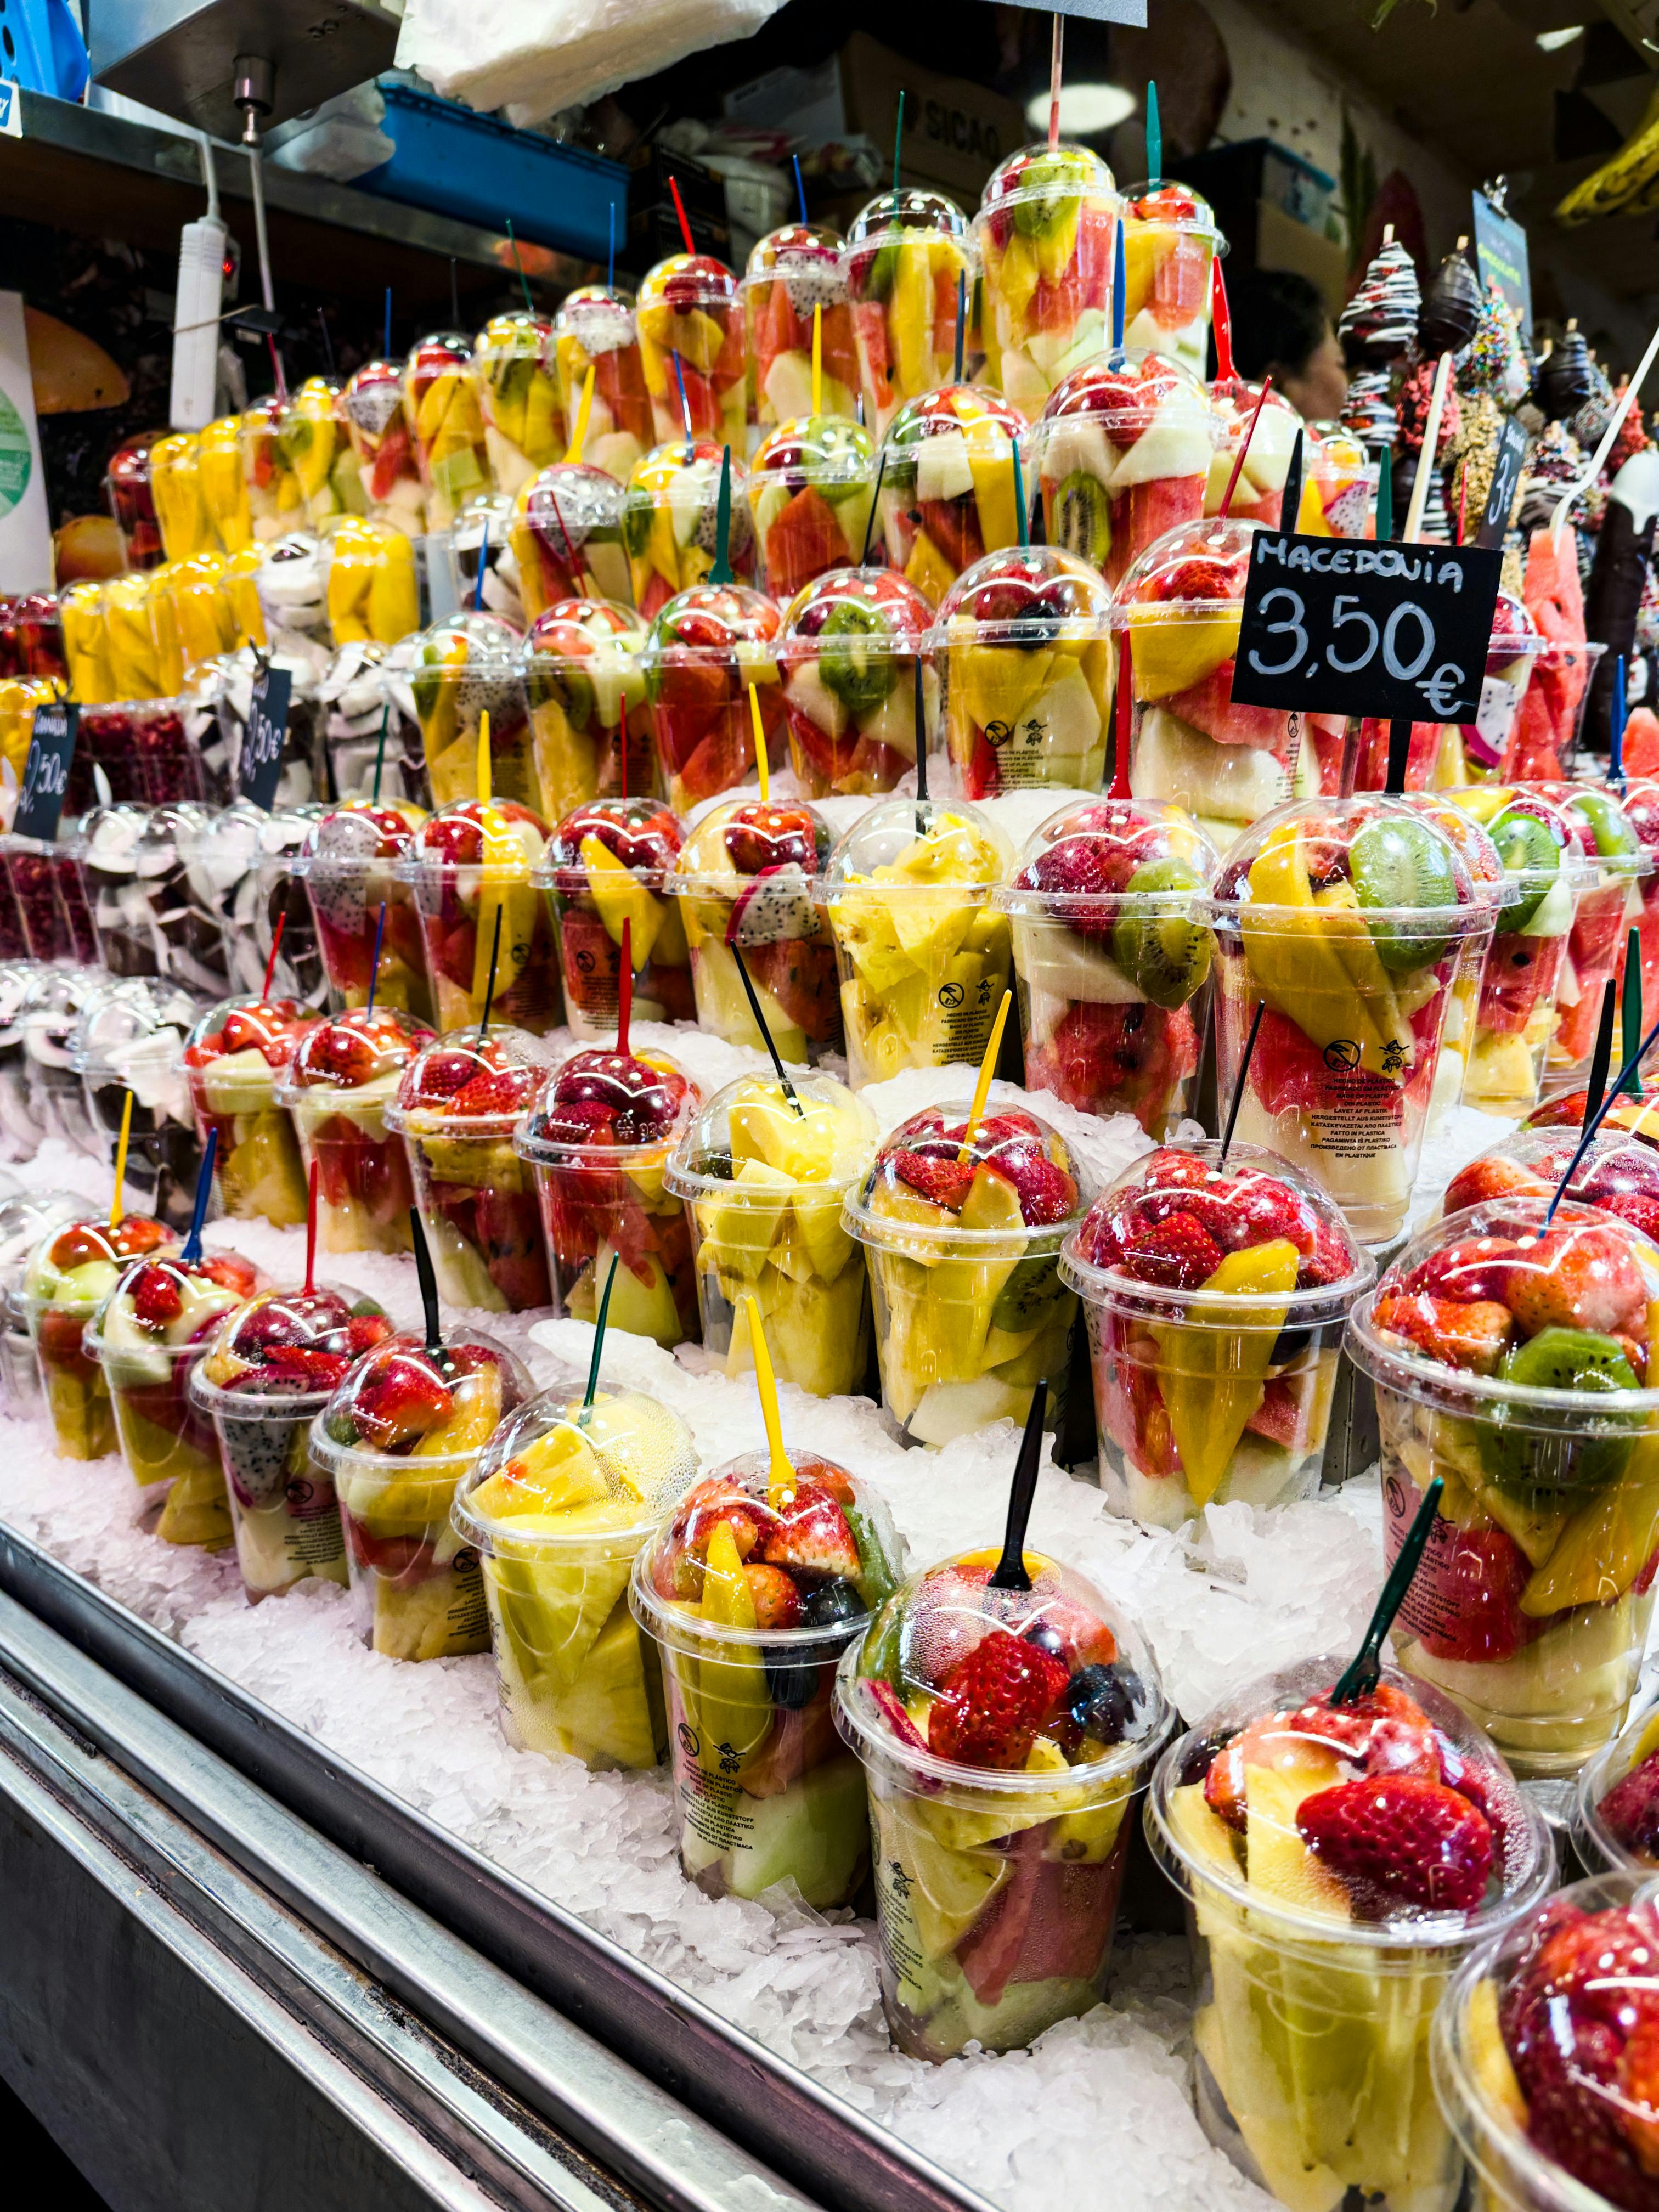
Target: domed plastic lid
(685,477)
(600,318)
(1544,1328)
(928,1687)
(472,833)
(165,1302)
(917,844)
(373,396)
(437,351)
(827,1538)
(131,461)
(560,1472)
(1026,595)
(639,836)
(979,422)
(1539,848)
(434,1408)
(613,1102)
(357,835)
(1196,569)
(516,336)
(1475,849)
(133,1032)
(1620,1173)
(1268,1763)
(243,836)
(1127,390)
(1167,205)
(1010,1183)
(55,1010)
(462,645)
(808,255)
(1616,1818)
(289,580)
(685,281)
(1038,183)
(871,611)
(716,621)
(1079,866)
(271,1027)
(465,1085)
(752,1131)
(1368,855)
(354,1049)
(75,1258)
(571,632)
(1247,1240)
(911,208)
(293,1344)
(784,840)
(1641,799)
(566,502)
(1610,839)
(815,450)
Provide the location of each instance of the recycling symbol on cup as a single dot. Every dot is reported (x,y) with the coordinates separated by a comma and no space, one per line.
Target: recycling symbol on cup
(1342,1055)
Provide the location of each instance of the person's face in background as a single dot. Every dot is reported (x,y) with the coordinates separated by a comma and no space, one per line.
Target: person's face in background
(1319,388)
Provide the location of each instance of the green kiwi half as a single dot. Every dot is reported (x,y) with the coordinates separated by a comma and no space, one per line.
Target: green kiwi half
(1161,948)
(1396,863)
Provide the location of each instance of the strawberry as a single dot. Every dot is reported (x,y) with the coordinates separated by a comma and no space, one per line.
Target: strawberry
(494,1093)
(1630,1809)
(230,1271)
(156,1298)
(993,1702)
(398,1400)
(941,1181)
(1639,2081)
(1178,1253)
(1476,1270)
(776,1601)
(1403,1837)
(1584,1276)
(1479,1576)
(811,1534)
(443,1075)
(1474,1337)
(1047,1193)
(1330,1261)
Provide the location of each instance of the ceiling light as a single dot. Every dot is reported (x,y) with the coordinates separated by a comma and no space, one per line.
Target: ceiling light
(1551,42)
(1085,110)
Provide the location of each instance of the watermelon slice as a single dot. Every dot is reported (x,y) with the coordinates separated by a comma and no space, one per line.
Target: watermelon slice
(1209,706)
(953,527)
(804,541)
(1144,511)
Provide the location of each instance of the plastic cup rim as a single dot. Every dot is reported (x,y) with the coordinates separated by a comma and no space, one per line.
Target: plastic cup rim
(661,1622)
(1105,1288)
(1424,1381)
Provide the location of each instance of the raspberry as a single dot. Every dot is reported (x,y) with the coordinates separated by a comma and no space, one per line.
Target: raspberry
(1179,1253)
(1408,1840)
(992,1703)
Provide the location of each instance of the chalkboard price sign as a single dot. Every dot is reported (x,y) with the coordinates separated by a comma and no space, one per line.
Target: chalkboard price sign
(265,735)
(1506,476)
(45,772)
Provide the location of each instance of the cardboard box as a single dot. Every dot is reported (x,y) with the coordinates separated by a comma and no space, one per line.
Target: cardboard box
(955,132)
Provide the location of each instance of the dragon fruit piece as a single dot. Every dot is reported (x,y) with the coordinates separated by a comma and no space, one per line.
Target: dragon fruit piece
(772,906)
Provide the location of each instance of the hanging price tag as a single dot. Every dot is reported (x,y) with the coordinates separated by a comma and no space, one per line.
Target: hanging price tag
(265,735)
(45,773)
(1342,626)
(1505,477)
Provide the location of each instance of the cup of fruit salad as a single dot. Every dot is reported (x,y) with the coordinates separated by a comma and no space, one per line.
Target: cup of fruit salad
(1258,494)
(157,1322)
(1113,952)
(560,1500)
(374,590)
(690,317)
(271,440)
(1606,904)
(747,882)
(234,1058)
(1005,1735)
(598,1142)
(811,485)
(1615,1814)
(751,1590)
(567,538)
(1339,1862)
(911,258)
(273,1366)
(606,865)
(595,328)
(402,1432)
(1617,1171)
(1511,1358)
(764,1173)
(1047,231)
(1215,1294)
(456,1109)
(465,666)
(1122,451)
(1544,740)
(922,951)
(337,1086)
(349,865)
(441,406)
(373,404)
(706,649)
(1348,920)
(70,1272)
(1640,797)
(469,864)
(1339,490)
(586,693)
(849,651)
(1170,239)
(472,563)
(962,1225)
(518,397)
(1444,754)
(948,490)
(791,273)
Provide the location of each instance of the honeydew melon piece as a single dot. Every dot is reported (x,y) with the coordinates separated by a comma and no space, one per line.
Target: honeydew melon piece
(944,468)
(1235,785)
(812,1834)
(1174,446)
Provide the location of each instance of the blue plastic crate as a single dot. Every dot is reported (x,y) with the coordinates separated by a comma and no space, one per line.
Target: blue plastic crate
(483,170)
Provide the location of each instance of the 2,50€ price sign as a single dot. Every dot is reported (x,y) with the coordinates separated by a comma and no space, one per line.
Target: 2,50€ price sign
(45,772)
(1342,626)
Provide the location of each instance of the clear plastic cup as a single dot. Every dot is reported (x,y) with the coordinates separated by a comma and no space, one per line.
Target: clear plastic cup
(1640,799)
(1170,239)
(1544,740)
(1614,1824)
(568,537)
(25,1218)
(791,273)
(764,1791)
(132,503)
(1619,1171)
(609,863)
(138,885)
(1001,1818)
(690,320)
(372,589)
(456,1109)
(1528,1399)
(147,751)
(1121,454)
(44,881)
(1259,492)
(21,982)
(398,1437)
(202,612)
(373,404)
(963,1254)
(73,1267)
(747,881)
(910,256)
(86,642)
(349,865)
(57,1100)
(1452,754)
(271,1369)
(598,1142)
(671,523)
(1339,488)
(706,651)
(468,864)
(559,1503)
(149,1334)
(343,1077)
(948,490)
(1024,644)
(141,637)
(1215,1294)
(224,491)
(319,449)
(19,697)
(441,406)
(524,424)
(1317,1987)
(32,635)
(848,650)
(175,486)
(763,1175)
(465,666)
(595,328)
(586,695)
(270,442)
(923,952)
(365,689)
(811,485)
(234,1058)
(127,1049)
(1606,905)
(1113,954)
(482,533)
(242,866)
(1349,921)
(1047,233)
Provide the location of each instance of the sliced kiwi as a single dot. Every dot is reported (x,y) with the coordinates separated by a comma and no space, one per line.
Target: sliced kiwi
(883,271)
(1160,948)
(1025,1300)
(855,658)
(1526,848)
(1080,520)
(1524,1457)
(1397,863)
(636,526)
(1607,825)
